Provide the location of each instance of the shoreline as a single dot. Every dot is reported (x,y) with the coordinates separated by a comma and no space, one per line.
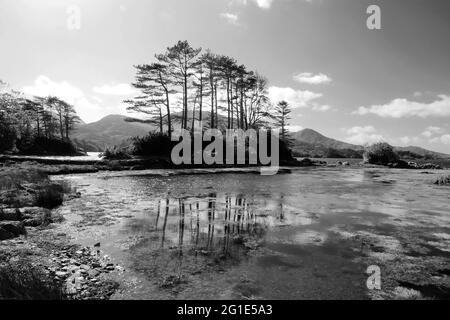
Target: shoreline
(34,255)
(72,166)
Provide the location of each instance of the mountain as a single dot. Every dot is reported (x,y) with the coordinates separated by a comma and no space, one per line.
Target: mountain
(113,130)
(313,137)
(110,131)
(413,152)
(310,143)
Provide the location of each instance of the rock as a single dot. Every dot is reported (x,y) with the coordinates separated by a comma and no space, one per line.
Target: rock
(400,164)
(93,273)
(306,162)
(5,235)
(36,216)
(346,164)
(11,229)
(10,215)
(61,274)
(97,245)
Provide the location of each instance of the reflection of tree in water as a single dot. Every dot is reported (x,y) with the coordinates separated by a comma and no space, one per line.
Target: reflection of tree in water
(199,234)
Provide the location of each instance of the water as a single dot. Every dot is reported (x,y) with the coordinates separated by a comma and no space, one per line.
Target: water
(310,234)
(91,156)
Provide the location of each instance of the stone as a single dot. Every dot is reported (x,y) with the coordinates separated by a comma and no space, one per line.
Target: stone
(11,229)
(10,215)
(61,274)
(36,216)
(93,273)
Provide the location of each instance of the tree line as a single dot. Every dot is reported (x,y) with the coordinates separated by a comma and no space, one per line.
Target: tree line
(26,121)
(184,84)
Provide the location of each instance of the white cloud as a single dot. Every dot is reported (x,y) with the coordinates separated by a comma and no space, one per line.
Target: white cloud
(310,78)
(231,18)
(88,108)
(321,108)
(296,98)
(400,108)
(44,87)
(121,89)
(263,4)
(445,139)
(431,131)
(294,128)
(363,135)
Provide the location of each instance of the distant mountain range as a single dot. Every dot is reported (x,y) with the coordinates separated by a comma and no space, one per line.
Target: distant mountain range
(310,143)
(110,131)
(113,130)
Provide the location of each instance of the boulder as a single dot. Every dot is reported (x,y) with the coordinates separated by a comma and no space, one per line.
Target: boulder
(11,229)
(306,162)
(400,164)
(10,214)
(36,216)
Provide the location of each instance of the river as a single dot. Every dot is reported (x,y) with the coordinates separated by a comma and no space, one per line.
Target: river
(310,234)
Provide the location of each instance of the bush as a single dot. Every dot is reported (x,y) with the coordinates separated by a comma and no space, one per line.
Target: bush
(443,181)
(154,144)
(7,137)
(116,154)
(50,196)
(46,146)
(380,154)
(23,281)
(11,178)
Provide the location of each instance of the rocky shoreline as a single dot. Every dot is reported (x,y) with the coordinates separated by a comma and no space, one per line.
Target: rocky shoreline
(33,256)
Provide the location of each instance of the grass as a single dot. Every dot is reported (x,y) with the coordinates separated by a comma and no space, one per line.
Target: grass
(13,177)
(443,181)
(116,154)
(23,281)
(22,186)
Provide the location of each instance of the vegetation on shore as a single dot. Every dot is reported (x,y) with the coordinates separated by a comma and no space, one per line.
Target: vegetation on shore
(443,181)
(380,154)
(35,126)
(21,280)
(25,186)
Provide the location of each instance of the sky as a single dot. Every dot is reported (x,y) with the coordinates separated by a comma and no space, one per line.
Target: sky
(341,78)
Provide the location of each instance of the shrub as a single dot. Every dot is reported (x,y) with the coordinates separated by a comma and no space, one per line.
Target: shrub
(46,146)
(50,196)
(7,137)
(154,144)
(443,181)
(380,154)
(116,154)
(23,281)
(11,178)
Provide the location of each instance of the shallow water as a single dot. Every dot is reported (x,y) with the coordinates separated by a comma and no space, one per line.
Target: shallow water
(310,234)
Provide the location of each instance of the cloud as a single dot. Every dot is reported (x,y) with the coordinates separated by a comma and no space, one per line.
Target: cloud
(44,87)
(263,4)
(402,108)
(87,107)
(310,78)
(294,128)
(445,139)
(431,131)
(296,98)
(122,89)
(321,108)
(231,18)
(363,135)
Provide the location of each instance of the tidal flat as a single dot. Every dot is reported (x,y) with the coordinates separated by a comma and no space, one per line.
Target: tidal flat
(308,233)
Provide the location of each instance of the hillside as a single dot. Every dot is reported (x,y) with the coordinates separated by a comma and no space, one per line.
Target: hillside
(113,130)
(310,143)
(110,131)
